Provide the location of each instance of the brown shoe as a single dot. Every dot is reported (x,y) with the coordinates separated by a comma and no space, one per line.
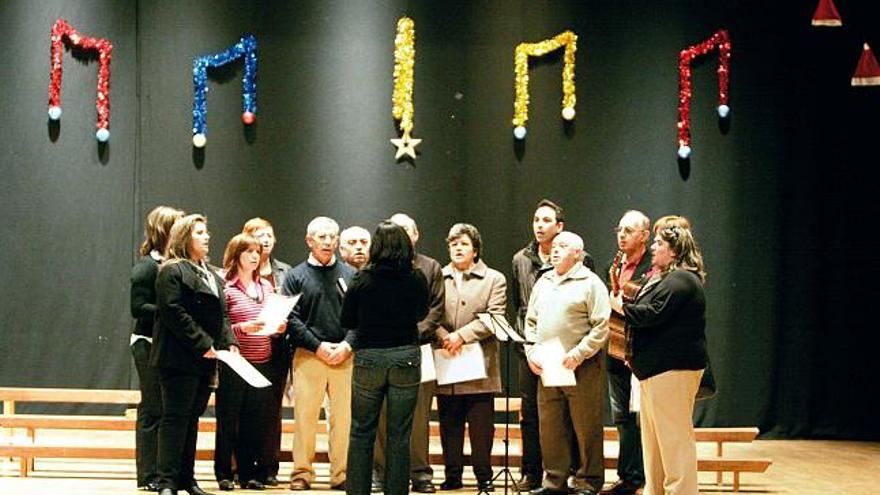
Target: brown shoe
(299,484)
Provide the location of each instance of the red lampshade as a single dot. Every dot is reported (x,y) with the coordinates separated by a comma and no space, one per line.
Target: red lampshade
(868,71)
(826,14)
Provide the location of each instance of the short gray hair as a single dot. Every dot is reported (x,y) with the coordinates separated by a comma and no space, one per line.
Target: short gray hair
(404,221)
(353,231)
(322,224)
(573,240)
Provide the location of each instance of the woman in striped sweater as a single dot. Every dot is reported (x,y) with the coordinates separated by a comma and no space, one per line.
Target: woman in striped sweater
(243,411)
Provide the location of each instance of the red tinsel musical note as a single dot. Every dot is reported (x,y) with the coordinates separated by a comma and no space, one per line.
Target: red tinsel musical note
(720,40)
(61,30)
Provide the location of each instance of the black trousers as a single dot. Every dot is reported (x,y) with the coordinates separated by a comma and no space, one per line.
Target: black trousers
(478,411)
(184,398)
(149,414)
(528,423)
(280,369)
(243,423)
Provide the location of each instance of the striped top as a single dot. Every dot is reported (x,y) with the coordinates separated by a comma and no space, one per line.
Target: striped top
(242,308)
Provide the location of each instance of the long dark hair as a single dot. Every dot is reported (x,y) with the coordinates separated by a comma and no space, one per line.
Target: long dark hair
(391,248)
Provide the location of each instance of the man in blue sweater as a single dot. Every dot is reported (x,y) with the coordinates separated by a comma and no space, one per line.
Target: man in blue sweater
(322,363)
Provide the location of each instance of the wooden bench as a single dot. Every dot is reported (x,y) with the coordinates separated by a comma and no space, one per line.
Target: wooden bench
(33,422)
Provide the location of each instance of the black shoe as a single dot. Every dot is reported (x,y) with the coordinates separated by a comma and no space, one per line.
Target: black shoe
(423,486)
(623,487)
(528,482)
(546,491)
(254,485)
(197,490)
(271,481)
(150,486)
(451,484)
(485,486)
(226,485)
(167,491)
(377,486)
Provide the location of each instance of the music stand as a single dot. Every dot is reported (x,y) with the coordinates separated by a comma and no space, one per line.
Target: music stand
(504,333)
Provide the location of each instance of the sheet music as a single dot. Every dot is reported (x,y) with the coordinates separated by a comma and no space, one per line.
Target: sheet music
(429,373)
(486,319)
(500,326)
(467,365)
(635,394)
(549,354)
(275,312)
(244,369)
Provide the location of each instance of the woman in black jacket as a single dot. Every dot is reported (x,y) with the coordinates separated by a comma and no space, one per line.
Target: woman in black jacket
(668,354)
(143,308)
(381,310)
(191,327)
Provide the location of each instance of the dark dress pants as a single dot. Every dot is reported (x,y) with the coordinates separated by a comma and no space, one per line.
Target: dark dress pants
(630,466)
(243,422)
(584,404)
(382,375)
(149,414)
(532,461)
(478,411)
(528,423)
(184,398)
(280,370)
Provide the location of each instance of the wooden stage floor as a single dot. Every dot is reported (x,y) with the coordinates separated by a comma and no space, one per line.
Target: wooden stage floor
(799,467)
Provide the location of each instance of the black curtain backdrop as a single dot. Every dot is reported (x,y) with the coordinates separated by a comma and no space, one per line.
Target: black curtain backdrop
(782,200)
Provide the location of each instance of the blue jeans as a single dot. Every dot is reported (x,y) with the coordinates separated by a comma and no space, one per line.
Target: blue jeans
(394,374)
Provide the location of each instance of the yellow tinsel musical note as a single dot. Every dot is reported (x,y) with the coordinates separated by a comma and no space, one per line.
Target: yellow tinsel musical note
(521,82)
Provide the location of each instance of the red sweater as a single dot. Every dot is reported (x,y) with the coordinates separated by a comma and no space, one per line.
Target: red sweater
(241,308)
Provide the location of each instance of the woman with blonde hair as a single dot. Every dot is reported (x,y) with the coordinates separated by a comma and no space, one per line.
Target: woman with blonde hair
(668,354)
(191,327)
(143,308)
(244,412)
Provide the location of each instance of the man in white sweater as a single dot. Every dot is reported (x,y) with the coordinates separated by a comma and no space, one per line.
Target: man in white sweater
(571,303)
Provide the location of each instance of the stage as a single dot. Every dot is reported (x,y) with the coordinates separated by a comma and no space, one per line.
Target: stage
(799,467)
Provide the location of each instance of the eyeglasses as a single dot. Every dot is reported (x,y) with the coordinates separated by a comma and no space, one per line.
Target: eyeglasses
(626,230)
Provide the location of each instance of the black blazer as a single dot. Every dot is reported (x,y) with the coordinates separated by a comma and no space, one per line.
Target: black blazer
(667,324)
(190,319)
(143,295)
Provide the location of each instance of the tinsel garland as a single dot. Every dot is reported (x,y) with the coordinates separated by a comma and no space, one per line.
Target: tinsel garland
(402,108)
(247,48)
(61,30)
(404,62)
(720,40)
(521,82)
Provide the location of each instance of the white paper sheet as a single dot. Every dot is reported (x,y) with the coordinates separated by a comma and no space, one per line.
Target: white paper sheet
(466,365)
(549,354)
(275,312)
(635,394)
(244,369)
(429,373)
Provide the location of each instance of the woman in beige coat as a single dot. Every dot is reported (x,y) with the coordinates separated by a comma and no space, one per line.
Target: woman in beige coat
(471,288)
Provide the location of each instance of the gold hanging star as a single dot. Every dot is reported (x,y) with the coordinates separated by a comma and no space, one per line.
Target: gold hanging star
(406,145)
